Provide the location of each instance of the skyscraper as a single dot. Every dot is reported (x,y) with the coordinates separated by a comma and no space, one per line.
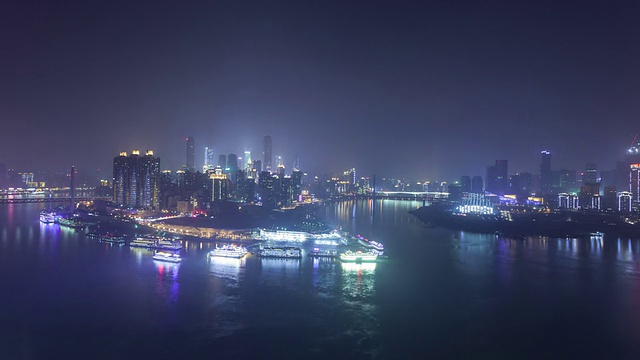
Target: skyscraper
(232,166)
(220,187)
(222,161)
(209,161)
(248,162)
(545,172)
(191,154)
(267,153)
(136,180)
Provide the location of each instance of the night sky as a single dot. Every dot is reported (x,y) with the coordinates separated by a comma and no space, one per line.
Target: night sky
(418,90)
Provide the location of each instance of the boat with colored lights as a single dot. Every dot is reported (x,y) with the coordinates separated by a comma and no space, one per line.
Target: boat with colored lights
(358,256)
(228,251)
(287,252)
(167,256)
(370,243)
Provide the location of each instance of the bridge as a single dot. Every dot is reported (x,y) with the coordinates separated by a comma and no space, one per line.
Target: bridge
(401,195)
(48,195)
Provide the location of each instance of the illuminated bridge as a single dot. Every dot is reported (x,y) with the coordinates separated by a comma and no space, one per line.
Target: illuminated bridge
(404,195)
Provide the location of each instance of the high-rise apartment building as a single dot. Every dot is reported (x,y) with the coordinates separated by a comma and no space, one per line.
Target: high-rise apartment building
(136,180)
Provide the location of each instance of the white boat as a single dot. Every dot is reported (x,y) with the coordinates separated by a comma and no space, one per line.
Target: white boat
(143,243)
(168,244)
(167,256)
(317,253)
(281,252)
(358,256)
(228,251)
(370,243)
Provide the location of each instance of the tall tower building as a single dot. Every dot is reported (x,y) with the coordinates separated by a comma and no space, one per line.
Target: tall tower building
(220,190)
(267,153)
(232,165)
(546,177)
(248,163)
(222,161)
(209,160)
(191,154)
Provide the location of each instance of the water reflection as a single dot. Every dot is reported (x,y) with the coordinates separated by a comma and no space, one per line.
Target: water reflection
(358,280)
(229,269)
(167,284)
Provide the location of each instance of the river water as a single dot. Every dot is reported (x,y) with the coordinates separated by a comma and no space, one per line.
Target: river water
(441,294)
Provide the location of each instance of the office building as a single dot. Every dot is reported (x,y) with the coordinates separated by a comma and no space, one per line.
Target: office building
(209,160)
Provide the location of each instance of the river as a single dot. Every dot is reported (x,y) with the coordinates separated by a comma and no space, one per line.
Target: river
(441,294)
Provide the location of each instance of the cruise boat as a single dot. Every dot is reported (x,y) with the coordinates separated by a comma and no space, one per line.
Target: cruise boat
(70,222)
(168,244)
(317,253)
(370,243)
(281,252)
(143,243)
(47,217)
(228,251)
(112,239)
(358,256)
(167,256)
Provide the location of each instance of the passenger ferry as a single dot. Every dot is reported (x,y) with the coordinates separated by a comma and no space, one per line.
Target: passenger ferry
(358,256)
(112,239)
(317,253)
(167,256)
(370,243)
(228,251)
(48,217)
(281,252)
(168,244)
(143,243)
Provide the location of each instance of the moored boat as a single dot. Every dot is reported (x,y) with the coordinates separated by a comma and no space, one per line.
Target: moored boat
(317,253)
(228,251)
(358,256)
(287,252)
(167,256)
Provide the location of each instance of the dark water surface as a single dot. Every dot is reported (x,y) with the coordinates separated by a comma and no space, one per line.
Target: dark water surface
(441,294)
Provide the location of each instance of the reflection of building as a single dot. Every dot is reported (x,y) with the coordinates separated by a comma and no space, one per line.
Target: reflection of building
(136,180)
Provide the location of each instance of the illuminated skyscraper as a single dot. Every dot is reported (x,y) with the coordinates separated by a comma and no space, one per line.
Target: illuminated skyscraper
(267,153)
(209,160)
(546,177)
(191,154)
(220,185)
(248,163)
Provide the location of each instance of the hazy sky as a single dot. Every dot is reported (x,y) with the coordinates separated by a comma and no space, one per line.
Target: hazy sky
(411,89)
